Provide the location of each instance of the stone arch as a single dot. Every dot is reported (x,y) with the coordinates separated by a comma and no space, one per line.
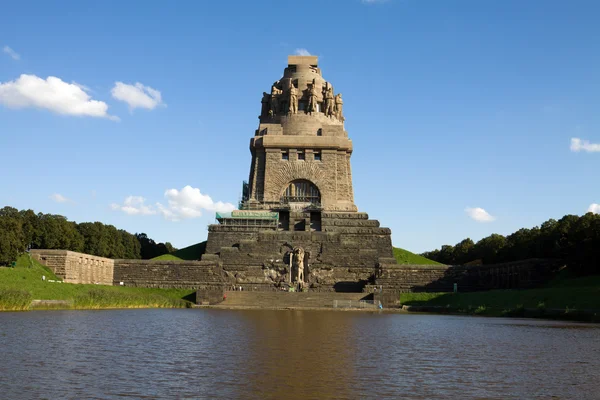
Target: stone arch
(293,171)
(301,190)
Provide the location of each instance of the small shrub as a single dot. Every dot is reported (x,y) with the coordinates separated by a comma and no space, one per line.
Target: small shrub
(481,309)
(518,311)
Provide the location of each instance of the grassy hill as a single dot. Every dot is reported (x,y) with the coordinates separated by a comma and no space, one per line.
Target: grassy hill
(193,252)
(406,257)
(23,283)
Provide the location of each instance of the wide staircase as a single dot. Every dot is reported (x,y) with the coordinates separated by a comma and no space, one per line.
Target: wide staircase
(266,300)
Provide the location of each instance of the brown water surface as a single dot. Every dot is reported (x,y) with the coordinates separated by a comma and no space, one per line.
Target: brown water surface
(226,354)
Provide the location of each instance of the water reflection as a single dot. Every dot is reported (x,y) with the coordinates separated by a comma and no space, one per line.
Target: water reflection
(292,354)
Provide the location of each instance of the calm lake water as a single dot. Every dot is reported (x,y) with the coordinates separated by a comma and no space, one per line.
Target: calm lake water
(191,354)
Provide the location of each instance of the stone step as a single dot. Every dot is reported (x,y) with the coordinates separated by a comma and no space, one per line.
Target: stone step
(286,299)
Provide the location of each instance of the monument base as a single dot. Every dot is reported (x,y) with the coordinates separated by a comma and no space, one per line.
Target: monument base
(343,251)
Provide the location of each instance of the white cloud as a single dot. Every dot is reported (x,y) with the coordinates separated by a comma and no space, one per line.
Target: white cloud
(134,205)
(578,145)
(189,203)
(181,204)
(137,96)
(51,94)
(594,208)
(11,53)
(302,52)
(479,214)
(59,198)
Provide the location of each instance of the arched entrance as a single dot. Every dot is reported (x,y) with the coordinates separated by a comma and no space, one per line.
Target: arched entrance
(301,191)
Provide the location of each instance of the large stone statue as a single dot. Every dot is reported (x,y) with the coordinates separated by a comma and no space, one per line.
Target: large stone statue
(275,93)
(265,102)
(299,263)
(338,107)
(329,102)
(312,97)
(293,92)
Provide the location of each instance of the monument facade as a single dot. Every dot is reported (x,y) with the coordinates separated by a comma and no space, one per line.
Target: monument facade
(298,223)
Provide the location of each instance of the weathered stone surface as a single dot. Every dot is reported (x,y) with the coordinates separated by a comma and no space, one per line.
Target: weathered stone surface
(168,274)
(73,267)
(394,279)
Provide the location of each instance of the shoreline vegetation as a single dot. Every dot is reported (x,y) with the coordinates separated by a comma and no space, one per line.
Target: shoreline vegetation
(20,285)
(564,298)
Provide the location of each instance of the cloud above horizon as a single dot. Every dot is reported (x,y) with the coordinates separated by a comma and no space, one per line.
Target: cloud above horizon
(479,214)
(52,94)
(11,53)
(181,204)
(189,202)
(137,96)
(578,145)
(594,208)
(302,52)
(134,205)
(59,198)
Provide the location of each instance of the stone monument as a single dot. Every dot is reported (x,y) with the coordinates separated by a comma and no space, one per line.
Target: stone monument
(299,197)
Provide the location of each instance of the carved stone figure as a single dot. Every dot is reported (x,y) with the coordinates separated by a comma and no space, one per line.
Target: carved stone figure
(299,262)
(338,107)
(293,92)
(275,93)
(265,102)
(329,102)
(312,97)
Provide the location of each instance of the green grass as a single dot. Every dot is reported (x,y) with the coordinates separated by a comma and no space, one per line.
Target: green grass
(23,281)
(190,253)
(14,300)
(167,257)
(406,257)
(563,294)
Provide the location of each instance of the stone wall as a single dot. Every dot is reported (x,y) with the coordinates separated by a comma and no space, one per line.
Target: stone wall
(168,274)
(525,274)
(74,267)
(270,174)
(344,256)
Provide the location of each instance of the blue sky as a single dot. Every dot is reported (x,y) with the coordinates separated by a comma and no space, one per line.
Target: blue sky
(452,106)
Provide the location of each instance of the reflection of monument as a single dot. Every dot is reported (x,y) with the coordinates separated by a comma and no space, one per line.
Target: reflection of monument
(299,196)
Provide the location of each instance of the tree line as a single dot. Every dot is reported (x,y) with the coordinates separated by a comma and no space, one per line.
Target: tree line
(24,229)
(575,239)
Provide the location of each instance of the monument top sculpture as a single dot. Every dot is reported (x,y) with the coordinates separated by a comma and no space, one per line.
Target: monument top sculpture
(303,90)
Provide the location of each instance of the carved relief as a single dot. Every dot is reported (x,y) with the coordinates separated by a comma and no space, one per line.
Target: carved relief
(298,263)
(265,103)
(312,97)
(338,107)
(293,100)
(275,101)
(329,102)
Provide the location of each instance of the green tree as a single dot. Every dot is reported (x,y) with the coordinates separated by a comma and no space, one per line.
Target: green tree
(487,249)
(12,240)
(462,251)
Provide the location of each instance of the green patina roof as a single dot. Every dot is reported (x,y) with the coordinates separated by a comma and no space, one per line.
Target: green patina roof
(247,214)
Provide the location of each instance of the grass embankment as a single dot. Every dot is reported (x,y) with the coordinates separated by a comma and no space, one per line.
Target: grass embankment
(19,285)
(406,257)
(190,253)
(563,298)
